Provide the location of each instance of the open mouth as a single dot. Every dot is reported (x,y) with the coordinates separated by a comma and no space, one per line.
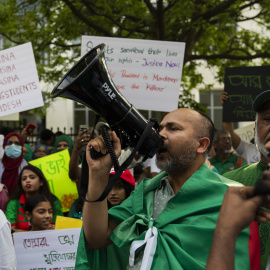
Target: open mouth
(161,150)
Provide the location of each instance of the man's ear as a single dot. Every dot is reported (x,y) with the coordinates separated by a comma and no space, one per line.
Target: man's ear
(203,145)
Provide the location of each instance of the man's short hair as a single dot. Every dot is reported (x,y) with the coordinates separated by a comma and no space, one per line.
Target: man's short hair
(46,135)
(220,132)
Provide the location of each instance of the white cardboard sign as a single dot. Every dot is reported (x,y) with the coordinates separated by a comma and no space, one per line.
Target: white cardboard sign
(246,133)
(19,83)
(146,72)
(49,249)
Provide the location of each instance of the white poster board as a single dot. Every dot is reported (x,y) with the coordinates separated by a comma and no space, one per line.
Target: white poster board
(10,117)
(246,133)
(146,72)
(19,83)
(50,249)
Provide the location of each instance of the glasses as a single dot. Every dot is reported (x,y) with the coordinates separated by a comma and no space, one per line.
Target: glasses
(10,143)
(224,140)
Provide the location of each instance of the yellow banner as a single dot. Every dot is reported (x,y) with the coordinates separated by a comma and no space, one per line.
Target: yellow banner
(55,168)
(67,223)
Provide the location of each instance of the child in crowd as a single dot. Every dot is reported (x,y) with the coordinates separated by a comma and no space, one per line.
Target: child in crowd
(39,212)
(31,181)
(121,189)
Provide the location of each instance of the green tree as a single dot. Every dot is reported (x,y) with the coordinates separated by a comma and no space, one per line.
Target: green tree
(210,29)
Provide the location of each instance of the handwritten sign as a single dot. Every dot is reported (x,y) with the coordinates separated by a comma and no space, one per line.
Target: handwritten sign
(19,84)
(246,133)
(46,250)
(55,168)
(243,84)
(146,72)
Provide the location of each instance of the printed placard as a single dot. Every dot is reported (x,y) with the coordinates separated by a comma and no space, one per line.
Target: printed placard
(46,250)
(19,84)
(55,168)
(146,72)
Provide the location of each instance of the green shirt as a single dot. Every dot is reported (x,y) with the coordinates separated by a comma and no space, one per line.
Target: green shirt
(248,175)
(232,163)
(185,227)
(16,215)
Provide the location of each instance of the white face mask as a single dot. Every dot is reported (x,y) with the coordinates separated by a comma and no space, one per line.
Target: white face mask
(13,151)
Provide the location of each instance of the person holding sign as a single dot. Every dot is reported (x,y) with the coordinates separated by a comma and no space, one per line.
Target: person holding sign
(245,149)
(168,221)
(248,175)
(12,162)
(39,212)
(31,181)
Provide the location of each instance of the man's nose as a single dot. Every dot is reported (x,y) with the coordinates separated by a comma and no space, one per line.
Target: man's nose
(162,134)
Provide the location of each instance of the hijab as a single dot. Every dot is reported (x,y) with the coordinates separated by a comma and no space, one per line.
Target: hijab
(66,139)
(11,165)
(37,147)
(28,156)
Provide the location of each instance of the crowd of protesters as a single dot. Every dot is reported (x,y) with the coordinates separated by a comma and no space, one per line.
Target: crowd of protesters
(24,191)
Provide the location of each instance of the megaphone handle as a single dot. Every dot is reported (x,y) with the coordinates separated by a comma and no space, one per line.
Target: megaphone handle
(95,154)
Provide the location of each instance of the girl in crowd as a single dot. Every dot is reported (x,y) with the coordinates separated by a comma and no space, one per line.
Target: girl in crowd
(39,212)
(41,150)
(31,181)
(120,191)
(12,162)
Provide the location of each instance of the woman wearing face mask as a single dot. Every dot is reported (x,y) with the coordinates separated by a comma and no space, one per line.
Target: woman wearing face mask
(12,162)
(39,212)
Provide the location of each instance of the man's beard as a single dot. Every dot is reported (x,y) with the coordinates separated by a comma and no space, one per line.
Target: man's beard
(180,162)
(261,146)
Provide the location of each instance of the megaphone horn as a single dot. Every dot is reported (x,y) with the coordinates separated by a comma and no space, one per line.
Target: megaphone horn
(90,84)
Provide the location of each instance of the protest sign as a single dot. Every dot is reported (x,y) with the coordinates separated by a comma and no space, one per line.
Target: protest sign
(146,72)
(55,168)
(67,223)
(246,133)
(46,250)
(19,84)
(243,84)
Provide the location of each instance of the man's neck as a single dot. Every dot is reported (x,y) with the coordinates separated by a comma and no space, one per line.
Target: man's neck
(177,181)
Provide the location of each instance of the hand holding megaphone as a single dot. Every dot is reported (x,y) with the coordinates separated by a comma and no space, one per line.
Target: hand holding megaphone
(97,153)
